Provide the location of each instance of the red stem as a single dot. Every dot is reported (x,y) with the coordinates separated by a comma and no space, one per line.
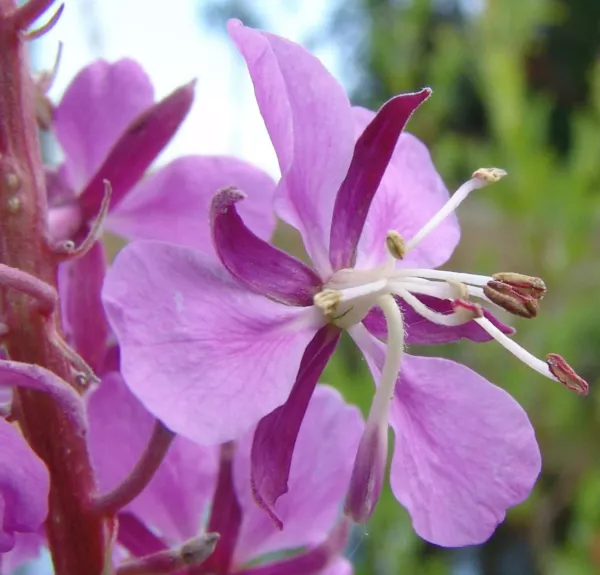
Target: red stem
(76,536)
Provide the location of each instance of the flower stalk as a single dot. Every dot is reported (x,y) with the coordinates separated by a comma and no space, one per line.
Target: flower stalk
(76,536)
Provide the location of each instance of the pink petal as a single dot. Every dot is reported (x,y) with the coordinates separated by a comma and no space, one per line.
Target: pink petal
(421,331)
(174,501)
(372,153)
(28,547)
(318,480)
(410,193)
(96,107)
(277,433)
(135,149)
(203,354)
(465,451)
(173,203)
(255,263)
(24,487)
(309,120)
(84,321)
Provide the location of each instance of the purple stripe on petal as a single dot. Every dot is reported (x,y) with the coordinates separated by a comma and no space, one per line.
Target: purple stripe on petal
(255,263)
(421,331)
(137,147)
(225,515)
(312,562)
(372,154)
(276,433)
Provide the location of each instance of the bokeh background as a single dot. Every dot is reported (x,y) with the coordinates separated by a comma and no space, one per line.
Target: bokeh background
(516,85)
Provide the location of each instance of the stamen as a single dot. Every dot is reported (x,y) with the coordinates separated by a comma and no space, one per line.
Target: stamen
(480,178)
(555,367)
(527,285)
(566,374)
(468,309)
(462,314)
(510,299)
(328,300)
(393,356)
(444,275)
(395,244)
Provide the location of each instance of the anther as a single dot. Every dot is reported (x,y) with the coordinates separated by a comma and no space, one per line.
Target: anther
(461,291)
(510,299)
(12,181)
(566,374)
(527,285)
(489,175)
(395,245)
(328,300)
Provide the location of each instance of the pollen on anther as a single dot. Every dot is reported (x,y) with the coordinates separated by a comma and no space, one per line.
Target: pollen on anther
(395,244)
(327,301)
(489,175)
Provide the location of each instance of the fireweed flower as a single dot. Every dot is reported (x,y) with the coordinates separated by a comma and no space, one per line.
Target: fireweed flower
(173,506)
(209,349)
(111,130)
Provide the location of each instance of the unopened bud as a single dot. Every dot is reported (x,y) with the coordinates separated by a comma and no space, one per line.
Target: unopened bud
(395,244)
(489,175)
(566,374)
(328,300)
(527,285)
(506,297)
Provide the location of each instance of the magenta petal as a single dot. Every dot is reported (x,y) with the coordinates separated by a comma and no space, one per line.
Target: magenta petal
(174,501)
(372,153)
(276,434)
(410,193)
(464,452)
(421,331)
(203,354)
(323,559)
(80,283)
(318,480)
(136,148)
(309,120)
(27,548)
(173,203)
(24,487)
(97,106)
(257,264)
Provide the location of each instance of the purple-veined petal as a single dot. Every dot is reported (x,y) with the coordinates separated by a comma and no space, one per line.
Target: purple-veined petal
(97,106)
(254,262)
(137,147)
(173,203)
(28,547)
(322,559)
(276,434)
(372,153)
(225,515)
(174,501)
(136,537)
(318,480)
(309,120)
(410,193)
(465,450)
(203,354)
(29,376)
(24,487)
(80,283)
(421,331)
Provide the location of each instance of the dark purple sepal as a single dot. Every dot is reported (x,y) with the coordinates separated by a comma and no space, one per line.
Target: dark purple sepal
(276,433)
(136,149)
(314,561)
(134,536)
(372,153)
(225,516)
(421,331)
(254,262)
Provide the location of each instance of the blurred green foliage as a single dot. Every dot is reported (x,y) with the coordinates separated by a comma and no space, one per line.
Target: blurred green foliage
(516,85)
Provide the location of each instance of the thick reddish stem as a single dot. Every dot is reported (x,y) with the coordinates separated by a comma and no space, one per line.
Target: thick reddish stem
(76,535)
